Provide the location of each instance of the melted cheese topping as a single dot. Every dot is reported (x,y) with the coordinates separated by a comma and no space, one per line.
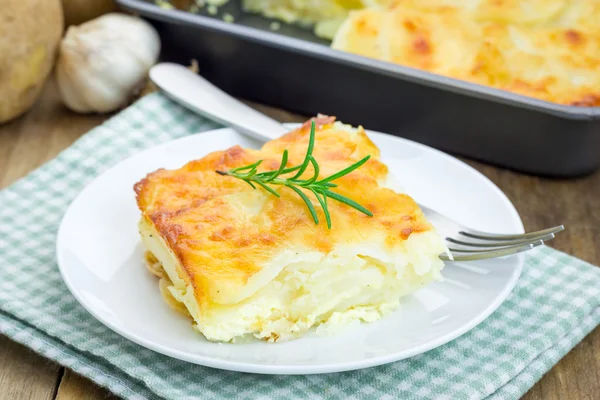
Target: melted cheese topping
(243,261)
(548,49)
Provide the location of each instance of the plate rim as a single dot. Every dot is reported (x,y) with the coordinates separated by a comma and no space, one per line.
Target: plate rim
(247,367)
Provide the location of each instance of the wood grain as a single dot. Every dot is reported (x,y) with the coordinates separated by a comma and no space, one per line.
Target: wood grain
(75,387)
(24,374)
(38,136)
(48,128)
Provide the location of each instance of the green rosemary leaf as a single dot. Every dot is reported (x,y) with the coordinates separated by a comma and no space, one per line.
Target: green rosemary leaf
(311,146)
(284,160)
(267,188)
(309,204)
(251,174)
(347,201)
(265,176)
(250,183)
(291,169)
(251,166)
(323,201)
(345,171)
(315,175)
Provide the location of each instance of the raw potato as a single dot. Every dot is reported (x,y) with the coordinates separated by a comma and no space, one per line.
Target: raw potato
(79,11)
(29,34)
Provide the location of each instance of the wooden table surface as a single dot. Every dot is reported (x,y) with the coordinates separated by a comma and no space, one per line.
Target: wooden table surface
(39,135)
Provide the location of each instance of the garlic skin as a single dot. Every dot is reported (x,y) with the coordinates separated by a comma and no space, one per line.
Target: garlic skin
(103,61)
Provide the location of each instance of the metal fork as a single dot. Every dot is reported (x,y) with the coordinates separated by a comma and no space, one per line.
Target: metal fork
(199,95)
(467,244)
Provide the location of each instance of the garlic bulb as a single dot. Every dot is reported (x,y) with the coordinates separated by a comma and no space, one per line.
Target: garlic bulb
(103,61)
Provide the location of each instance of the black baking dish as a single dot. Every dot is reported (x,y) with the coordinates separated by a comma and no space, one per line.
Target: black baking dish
(293,69)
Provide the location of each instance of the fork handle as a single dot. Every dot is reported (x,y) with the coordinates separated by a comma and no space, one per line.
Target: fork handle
(199,95)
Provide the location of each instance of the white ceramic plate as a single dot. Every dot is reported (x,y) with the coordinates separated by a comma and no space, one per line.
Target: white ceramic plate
(100,258)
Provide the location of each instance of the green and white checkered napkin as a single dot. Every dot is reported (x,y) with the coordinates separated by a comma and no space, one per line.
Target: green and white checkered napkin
(554,305)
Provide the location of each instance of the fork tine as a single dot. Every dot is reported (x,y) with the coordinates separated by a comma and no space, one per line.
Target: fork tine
(530,235)
(454,250)
(502,243)
(506,251)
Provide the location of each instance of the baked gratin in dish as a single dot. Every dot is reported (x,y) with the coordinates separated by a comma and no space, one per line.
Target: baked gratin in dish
(241,262)
(545,49)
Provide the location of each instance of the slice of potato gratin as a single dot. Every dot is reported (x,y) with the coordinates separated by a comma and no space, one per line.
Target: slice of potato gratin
(241,261)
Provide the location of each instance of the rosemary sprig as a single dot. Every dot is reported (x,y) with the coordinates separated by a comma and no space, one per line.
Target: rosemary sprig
(320,188)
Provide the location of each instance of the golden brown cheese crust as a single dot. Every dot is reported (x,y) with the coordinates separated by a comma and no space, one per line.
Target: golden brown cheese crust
(547,49)
(223,232)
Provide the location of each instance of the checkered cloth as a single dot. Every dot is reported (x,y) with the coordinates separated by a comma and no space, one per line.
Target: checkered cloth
(554,305)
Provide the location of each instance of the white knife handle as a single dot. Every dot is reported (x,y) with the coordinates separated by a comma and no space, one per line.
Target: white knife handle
(196,93)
